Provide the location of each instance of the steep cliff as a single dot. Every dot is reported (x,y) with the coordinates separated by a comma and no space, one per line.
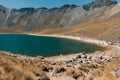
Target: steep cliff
(4,14)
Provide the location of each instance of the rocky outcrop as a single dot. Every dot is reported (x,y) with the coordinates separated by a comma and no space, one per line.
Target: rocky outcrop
(4,14)
(99,3)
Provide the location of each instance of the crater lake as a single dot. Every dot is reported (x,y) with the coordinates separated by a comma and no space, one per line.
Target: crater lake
(31,45)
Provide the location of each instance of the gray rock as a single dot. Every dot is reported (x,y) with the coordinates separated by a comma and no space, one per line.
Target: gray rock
(31,19)
(99,3)
(4,13)
(117,73)
(79,56)
(40,57)
(90,58)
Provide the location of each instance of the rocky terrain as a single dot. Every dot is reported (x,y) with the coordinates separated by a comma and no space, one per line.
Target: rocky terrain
(30,19)
(98,19)
(100,66)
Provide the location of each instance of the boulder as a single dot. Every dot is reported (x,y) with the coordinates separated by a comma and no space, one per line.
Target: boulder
(117,73)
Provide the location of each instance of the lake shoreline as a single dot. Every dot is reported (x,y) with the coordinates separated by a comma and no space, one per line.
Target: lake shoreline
(95,65)
(47,44)
(102,43)
(110,48)
(81,39)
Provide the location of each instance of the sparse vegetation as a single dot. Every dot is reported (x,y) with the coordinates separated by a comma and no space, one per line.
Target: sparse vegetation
(18,67)
(99,19)
(59,70)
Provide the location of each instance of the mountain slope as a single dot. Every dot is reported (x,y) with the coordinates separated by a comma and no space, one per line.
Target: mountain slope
(114,12)
(98,19)
(67,15)
(103,25)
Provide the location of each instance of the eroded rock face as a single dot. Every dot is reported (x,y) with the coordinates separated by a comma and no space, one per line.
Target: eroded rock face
(99,3)
(31,19)
(4,13)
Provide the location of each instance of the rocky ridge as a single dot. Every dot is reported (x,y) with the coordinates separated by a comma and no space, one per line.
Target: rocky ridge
(31,19)
(99,3)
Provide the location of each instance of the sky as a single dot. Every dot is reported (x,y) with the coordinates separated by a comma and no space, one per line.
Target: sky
(41,3)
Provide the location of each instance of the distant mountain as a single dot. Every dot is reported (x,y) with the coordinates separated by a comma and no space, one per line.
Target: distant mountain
(31,19)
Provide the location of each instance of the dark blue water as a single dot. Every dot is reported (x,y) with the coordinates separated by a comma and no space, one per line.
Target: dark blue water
(44,46)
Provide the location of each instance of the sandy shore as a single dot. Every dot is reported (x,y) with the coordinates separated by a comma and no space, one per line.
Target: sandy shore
(103,43)
(82,39)
(111,48)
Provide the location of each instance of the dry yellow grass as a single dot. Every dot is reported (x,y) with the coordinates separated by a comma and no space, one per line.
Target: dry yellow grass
(12,68)
(106,29)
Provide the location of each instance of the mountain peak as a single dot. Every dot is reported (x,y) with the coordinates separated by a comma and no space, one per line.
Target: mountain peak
(99,3)
(68,6)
